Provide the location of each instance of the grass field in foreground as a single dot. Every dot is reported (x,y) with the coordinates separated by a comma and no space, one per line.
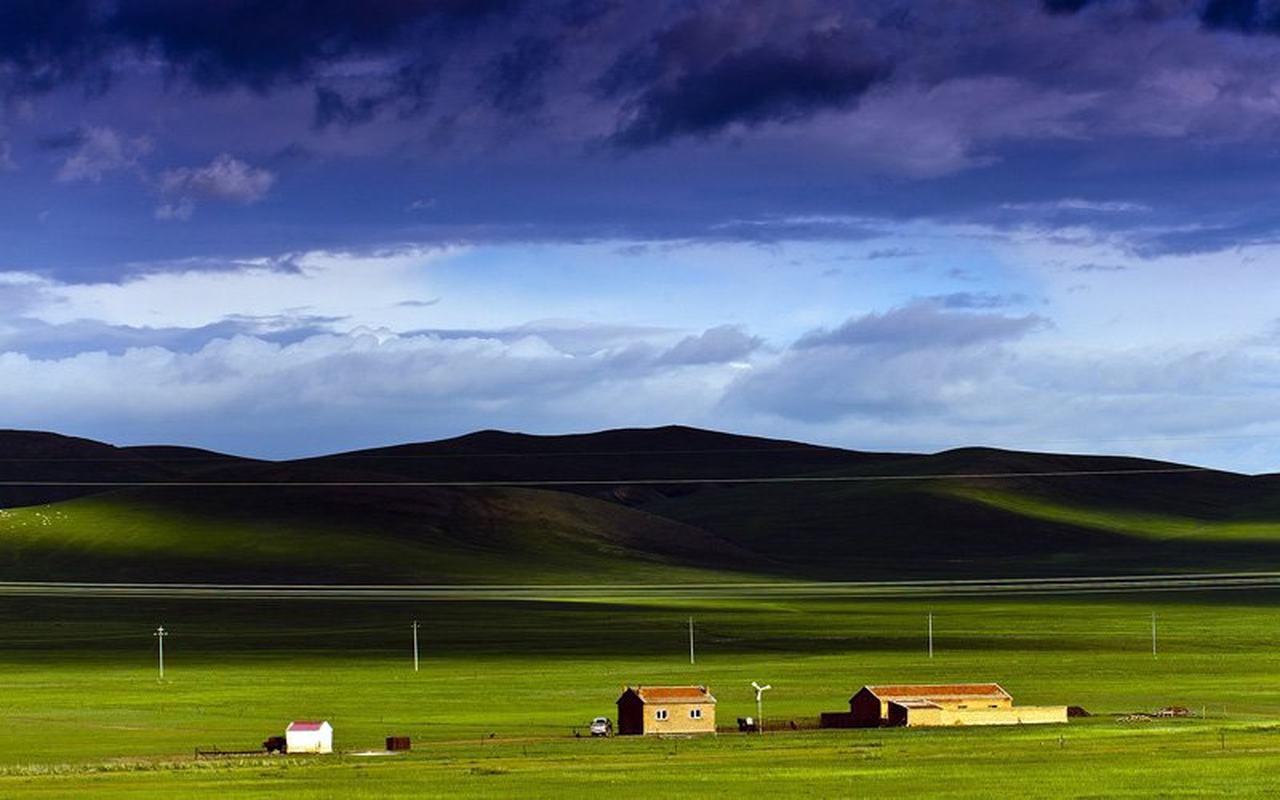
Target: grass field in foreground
(503,686)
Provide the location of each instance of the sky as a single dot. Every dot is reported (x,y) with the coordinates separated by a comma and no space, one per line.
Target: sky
(277,227)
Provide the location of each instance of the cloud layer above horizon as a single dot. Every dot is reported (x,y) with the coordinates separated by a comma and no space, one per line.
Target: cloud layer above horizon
(878,224)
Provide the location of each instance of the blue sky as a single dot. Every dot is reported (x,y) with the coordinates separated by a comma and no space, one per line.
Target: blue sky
(286,228)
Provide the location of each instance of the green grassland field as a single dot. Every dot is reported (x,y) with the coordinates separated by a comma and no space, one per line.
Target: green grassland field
(504,687)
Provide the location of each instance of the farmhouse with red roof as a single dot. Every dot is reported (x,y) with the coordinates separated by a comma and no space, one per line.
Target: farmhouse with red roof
(657,710)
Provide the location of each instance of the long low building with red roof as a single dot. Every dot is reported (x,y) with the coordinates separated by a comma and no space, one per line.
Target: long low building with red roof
(658,710)
(922,705)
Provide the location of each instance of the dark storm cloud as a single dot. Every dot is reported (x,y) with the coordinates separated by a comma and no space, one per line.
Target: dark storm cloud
(738,120)
(1246,16)
(217,45)
(43,44)
(258,42)
(409,89)
(332,107)
(513,79)
(1065,6)
(751,86)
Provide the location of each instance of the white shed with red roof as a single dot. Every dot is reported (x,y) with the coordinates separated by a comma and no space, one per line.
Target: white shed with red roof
(308,736)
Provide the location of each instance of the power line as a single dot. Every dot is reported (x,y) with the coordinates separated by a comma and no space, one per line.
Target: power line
(777,589)
(243,484)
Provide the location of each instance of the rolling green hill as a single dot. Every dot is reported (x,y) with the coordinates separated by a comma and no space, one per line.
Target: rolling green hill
(636,505)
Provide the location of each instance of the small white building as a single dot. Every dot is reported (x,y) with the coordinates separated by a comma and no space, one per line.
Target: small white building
(305,736)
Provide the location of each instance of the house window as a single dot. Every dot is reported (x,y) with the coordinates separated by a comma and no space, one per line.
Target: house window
(695,713)
(660,714)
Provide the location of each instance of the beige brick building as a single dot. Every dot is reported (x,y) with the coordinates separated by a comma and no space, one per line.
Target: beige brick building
(658,710)
(945,704)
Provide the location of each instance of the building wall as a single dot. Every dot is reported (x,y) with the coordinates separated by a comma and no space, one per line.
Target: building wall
(320,741)
(630,715)
(866,709)
(636,717)
(1015,715)
(837,719)
(914,717)
(678,719)
(974,703)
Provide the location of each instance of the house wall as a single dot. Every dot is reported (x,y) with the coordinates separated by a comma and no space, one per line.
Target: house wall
(866,709)
(630,715)
(678,719)
(320,741)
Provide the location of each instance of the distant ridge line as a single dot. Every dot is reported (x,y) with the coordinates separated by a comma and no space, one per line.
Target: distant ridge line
(372,456)
(622,481)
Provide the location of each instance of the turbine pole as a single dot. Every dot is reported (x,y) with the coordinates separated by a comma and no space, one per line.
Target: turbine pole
(160,634)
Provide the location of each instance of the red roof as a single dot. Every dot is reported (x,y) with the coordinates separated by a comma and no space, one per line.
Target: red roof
(929,691)
(304,725)
(672,694)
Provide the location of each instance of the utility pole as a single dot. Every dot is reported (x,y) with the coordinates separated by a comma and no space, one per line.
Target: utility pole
(690,640)
(160,634)
(1153,635)
(415,645)
(930,634)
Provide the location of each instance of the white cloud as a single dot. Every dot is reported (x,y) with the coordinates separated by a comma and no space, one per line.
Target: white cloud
(102,151)
(224,178)
(180,209)
(1080,204)
(1196,301)
(930,392)
(724,343)
(390,386)
(288,349)
(363,289)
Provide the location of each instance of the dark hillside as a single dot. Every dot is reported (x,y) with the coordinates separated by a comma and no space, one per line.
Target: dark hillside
(671,452)
(186,460)
(971,512)
(40,456)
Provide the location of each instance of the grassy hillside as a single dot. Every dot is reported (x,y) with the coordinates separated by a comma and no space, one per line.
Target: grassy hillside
(353,536)
(949,523)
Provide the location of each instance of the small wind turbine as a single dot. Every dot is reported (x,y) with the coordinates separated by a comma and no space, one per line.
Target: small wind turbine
(760,690)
